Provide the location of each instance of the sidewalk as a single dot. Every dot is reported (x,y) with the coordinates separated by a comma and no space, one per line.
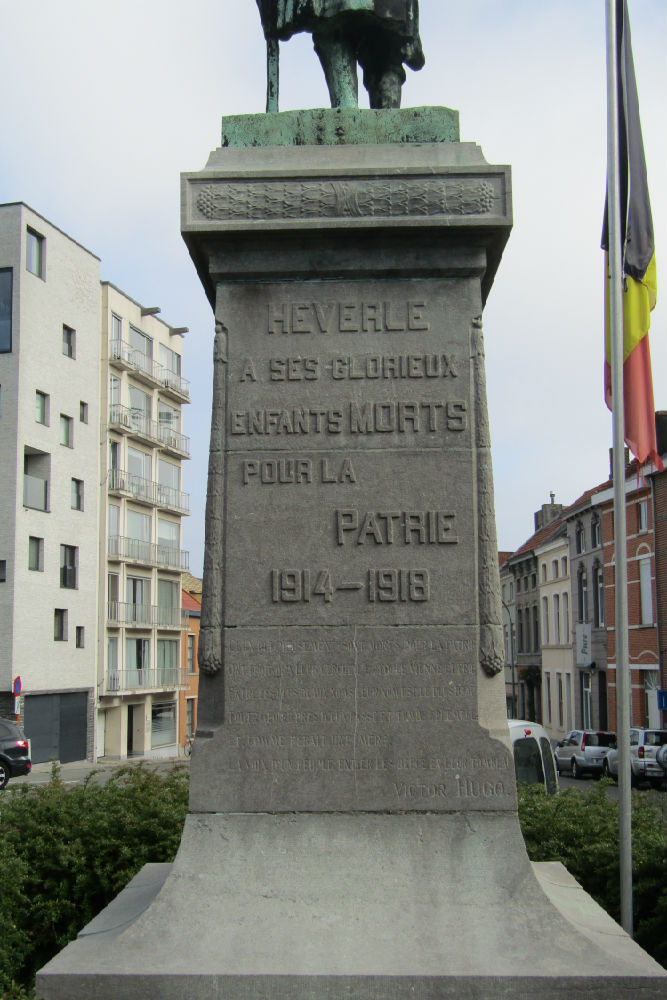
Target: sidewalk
(76,771)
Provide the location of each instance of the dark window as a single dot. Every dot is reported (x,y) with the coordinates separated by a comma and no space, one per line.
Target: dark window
(69,342)
(66,431)
(83,412)
(3,570)
(34,248)
(41,407)
(77,494)
(60,624)
(69,558)
(35,553)
(5,310)
(80,636)
(580,538)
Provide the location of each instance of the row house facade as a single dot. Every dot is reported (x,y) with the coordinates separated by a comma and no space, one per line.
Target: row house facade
(91,448)
(558,592)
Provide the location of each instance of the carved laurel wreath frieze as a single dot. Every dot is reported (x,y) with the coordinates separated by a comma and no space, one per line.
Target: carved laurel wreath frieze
(380,199)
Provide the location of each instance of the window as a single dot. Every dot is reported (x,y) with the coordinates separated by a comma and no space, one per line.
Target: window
(142,344)
(69,342)
(69,560)
(3,571)
(114,390)
(519,618)
(645,591)
(116,328)
(137,658)
(642,516)
(167,661)
(586,701)
(34,253)
(582,595)
(168,603)
(533,581)
(77,494)
(598,595)
(545,621)
(163,725)
(559,687)
(6,278)
(556,606)
(563,566)
(139,466)
(191,654)
(138,535)
(80,636)
(169,418)
(547,698)
(169,359)
(114,520)
(536,633)
(595,532)
(36,553)
(579,538)
(190,718)
(60,624)
(138,594)
(565,605)
(83,412)
(66,431)
(140,406)
(544,572)
(41,407)
(554,569)
(113,594)
(36,472)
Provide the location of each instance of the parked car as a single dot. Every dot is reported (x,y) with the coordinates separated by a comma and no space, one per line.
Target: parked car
(533,756)
(583,751)
(645,765)
(14,752)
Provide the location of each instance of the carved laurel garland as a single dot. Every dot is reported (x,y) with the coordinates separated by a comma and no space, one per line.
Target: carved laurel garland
(345,199)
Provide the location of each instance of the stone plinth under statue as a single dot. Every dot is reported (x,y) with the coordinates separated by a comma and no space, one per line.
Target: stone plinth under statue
(352,828)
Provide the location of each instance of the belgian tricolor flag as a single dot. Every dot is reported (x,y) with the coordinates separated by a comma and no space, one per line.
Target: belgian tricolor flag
(638,261)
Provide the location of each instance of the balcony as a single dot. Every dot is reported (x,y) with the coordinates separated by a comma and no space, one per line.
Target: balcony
(146,491)
(122,355)
(35,492)
(137,424)
(156,678)
(134,550)
(146,615)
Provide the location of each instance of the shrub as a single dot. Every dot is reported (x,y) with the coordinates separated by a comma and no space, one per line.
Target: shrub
(67,852)
(581,830)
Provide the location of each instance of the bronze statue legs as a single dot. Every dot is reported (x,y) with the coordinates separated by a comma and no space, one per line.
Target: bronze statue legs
(378,53)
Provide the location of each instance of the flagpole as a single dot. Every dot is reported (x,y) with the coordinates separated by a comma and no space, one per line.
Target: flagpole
(615,279)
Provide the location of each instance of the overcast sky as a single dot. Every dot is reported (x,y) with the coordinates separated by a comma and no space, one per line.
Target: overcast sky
(106,101)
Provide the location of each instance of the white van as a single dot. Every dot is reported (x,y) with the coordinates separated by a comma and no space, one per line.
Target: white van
(533,756)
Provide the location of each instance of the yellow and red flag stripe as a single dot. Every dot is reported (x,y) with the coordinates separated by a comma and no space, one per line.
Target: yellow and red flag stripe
(638,257)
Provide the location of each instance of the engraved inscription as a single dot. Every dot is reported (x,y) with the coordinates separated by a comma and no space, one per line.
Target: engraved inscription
(292,586)
(347,317)
(298,471)
(386,417)
(387,527)
(356,367)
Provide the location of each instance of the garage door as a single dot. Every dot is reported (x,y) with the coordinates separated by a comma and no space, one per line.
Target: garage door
(56,725)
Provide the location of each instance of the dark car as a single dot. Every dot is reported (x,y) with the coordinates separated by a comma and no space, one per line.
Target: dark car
(14,752)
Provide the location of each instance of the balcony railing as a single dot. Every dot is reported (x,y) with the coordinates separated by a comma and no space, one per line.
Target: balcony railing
(148,491)
(139,679)
(35,492)
(136,422)
(123,355)
(135,550)
(145,615)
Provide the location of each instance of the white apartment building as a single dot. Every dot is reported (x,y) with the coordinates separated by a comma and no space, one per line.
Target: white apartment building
(141,618)
(62,401)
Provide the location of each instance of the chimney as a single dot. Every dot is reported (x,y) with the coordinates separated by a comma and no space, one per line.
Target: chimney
(548,512)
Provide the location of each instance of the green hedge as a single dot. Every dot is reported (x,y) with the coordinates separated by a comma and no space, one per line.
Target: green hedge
(66,852)
(581,830)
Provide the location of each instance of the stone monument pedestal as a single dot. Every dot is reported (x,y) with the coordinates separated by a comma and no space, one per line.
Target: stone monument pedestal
(353,829)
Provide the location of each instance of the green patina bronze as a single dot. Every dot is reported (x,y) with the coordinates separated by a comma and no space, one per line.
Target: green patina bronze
(341,127)
(380,35)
